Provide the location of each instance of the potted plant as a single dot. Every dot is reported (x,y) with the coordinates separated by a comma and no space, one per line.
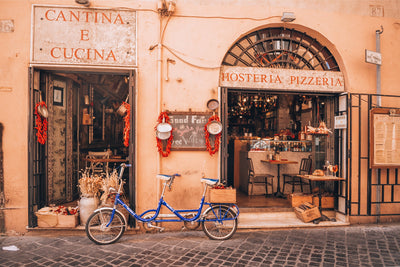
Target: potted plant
(107,200)
(89,186)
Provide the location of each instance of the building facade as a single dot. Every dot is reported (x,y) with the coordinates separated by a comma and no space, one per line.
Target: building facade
(176,56)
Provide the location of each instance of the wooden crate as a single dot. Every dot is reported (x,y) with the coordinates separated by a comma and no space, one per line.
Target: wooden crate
(48,219)
(326,202)
(296,199)
(67,220)
(309,214)
(222,195)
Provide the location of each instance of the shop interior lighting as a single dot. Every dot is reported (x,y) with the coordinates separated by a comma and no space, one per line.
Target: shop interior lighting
(86,3)
(288,17)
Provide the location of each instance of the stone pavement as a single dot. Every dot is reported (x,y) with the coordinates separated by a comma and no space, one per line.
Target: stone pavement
(365,245)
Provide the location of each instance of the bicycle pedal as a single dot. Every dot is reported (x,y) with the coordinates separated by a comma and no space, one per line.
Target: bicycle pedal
(154,226)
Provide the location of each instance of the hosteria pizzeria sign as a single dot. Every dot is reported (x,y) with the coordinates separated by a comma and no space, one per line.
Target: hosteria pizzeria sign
(83,36)
(281,79)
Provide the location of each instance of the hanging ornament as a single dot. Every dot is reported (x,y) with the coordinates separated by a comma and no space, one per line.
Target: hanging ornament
(41,123)
(127,128)
(164,132)
(212,121)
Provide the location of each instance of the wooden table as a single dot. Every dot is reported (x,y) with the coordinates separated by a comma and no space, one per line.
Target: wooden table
(105,160)
(279,163)
(320,180)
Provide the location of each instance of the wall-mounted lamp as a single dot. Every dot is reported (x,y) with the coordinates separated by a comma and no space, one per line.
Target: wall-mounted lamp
(86,3)
(288,17)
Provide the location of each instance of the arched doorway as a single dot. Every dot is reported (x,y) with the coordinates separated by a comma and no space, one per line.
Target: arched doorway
(274,83)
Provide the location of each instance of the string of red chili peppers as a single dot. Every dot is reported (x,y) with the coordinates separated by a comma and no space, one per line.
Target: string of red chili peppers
(207,136)
(164,118)
(41,126)
(127,127)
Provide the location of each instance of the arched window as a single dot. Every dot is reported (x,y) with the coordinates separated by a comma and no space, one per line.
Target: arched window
(280,48)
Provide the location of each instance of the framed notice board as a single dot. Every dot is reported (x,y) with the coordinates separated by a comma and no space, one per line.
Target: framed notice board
(385,138)
(188,130)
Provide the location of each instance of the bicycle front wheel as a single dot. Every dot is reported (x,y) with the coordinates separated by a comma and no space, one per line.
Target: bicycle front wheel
(97,230)
(219,222)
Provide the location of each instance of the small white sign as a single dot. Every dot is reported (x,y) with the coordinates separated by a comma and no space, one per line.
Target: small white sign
(341,122)
(373,57)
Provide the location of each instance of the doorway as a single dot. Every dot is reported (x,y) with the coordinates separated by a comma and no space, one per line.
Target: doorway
(84,119)
(263,125)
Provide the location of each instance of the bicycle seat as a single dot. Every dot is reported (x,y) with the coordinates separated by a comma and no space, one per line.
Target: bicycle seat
(164,177)
(209,181)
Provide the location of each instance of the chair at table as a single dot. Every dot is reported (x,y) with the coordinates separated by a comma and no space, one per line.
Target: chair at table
(259,178)
(294,178)
(98,167)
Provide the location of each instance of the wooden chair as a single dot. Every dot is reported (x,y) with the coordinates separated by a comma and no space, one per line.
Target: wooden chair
(294,179)
(98,167)
(260,178)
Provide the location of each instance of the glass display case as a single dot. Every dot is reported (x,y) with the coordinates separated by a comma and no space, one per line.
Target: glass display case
(280,145)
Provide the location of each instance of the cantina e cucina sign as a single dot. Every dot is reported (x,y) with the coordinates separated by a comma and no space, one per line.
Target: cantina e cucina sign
(281,79)
(83,36)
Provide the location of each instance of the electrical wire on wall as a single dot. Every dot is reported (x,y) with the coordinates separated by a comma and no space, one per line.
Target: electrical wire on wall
(169,15)
(166,10)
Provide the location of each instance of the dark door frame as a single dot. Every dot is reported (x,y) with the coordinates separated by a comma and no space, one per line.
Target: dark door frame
(37,153)
(341,137)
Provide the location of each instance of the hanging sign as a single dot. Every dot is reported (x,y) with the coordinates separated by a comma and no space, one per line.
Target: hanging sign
(83,36)
(281,79)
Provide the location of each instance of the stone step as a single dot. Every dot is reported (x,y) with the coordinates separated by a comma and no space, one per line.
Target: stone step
(283,219)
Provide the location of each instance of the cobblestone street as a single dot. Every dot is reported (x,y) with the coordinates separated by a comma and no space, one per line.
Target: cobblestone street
(372,245)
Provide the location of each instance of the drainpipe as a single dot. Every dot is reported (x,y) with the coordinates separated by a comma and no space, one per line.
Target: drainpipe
(164,8)
(378,100)
(159,98)
(378,67)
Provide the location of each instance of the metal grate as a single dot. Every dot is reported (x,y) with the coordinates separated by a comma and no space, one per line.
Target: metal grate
(372,192)
(280,48)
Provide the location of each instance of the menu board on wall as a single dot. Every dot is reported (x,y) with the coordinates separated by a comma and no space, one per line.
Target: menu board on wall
(385,138)
(188,130)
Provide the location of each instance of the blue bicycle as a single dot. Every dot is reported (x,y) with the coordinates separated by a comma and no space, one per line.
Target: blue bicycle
(219,220)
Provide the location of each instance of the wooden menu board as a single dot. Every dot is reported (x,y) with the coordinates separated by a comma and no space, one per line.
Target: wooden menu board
(188,130)
(385,138)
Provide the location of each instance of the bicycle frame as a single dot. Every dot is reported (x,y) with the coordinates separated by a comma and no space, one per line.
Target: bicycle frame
(175,212)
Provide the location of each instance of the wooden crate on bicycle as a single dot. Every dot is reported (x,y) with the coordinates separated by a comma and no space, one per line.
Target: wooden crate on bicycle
(226,195)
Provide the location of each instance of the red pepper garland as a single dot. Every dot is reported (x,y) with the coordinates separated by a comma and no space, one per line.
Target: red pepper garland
(127,127)
(41,125)
(207,135)
(164,118)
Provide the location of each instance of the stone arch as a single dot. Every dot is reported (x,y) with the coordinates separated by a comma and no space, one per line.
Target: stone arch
(282,47)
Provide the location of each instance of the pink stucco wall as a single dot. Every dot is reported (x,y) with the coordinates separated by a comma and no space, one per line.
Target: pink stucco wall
(199,33)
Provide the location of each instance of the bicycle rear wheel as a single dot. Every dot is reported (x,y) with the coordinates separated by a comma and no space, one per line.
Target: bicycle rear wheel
(97,230)
(219,222)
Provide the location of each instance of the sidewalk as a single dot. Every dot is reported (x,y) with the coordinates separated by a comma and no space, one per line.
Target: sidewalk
(365,245)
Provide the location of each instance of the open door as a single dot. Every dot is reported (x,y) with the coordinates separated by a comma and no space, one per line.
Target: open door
(83,119)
